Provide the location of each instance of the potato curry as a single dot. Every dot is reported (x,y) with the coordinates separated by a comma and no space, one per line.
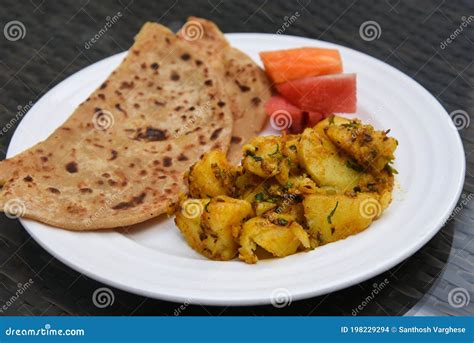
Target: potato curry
(292,192)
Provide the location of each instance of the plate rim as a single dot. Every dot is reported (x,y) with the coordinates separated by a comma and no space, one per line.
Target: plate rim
(390,262)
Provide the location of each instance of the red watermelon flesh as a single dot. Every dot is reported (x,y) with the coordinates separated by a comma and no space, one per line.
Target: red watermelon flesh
(299,119)
(277,108)
(278,103)
(322,94)
(314,118)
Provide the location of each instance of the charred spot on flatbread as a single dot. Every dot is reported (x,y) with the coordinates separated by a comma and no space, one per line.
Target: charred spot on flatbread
(216,134)
(185,57)
(236,139)
(54,190)
(167,161)
(135,201)
(174,76)
(256,101)
(151,134)
(114,155)
(71,167)
(182,157)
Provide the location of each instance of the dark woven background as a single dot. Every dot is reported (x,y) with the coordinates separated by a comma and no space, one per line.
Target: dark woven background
(412,32)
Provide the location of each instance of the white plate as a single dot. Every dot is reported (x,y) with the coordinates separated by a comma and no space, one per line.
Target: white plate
(154,260)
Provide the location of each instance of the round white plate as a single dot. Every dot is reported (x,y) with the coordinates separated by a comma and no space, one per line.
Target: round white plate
(153,259)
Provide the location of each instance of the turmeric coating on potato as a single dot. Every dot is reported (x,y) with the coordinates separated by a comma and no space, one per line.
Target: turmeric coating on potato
(292,193)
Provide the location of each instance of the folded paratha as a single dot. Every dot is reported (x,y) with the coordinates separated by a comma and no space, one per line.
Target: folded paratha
(120,157)
(245,83)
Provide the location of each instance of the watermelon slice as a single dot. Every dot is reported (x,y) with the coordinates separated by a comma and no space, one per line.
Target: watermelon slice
(314,118)
(322,94)
(284,115)
(280,111)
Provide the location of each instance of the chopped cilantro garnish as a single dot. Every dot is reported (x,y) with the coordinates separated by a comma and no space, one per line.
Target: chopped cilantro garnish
(354,165)
(282,221)
(272,200)
(332,213)
(251,154)
(350,125)
(293,147)
(390,169)
(259,196)
(277,150)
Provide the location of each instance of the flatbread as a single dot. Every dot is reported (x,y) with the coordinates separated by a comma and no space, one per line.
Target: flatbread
(245,83)
(120,158)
